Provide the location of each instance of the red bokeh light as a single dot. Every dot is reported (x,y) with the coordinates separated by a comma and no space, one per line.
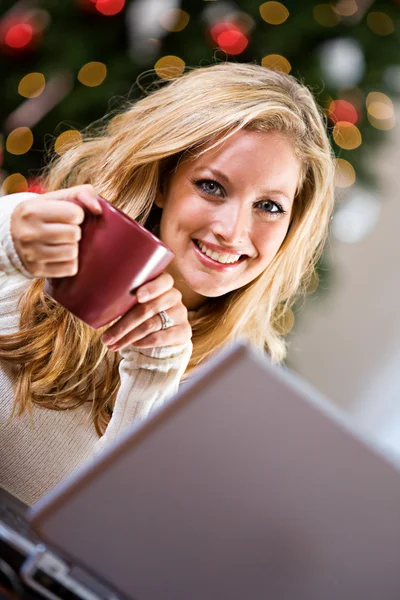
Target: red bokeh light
(19,35)
(342,110)
(229,37)
(110,7)
(35,186)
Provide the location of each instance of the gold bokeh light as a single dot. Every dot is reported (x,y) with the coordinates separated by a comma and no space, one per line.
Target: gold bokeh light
(169,67)
(32,85)
(380,111)
(380,23)
(325,15)
(313,283)
(274,13)
(347,135)
(19,141)
(92,74)
(13,184)
(67,140)
(345,174)
(174,19)
(285,322)
(277,63)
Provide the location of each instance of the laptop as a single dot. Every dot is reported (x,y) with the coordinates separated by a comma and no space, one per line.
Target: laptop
(247,484)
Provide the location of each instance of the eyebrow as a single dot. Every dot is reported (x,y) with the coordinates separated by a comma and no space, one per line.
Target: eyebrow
(220,175)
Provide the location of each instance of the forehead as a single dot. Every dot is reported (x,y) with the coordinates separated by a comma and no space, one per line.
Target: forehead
(254,157)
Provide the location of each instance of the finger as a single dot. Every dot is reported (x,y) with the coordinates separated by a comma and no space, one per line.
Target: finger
(86,194)
(151,332)
(43,253)
(140,313)
(56,269)
(154,288)
(60,233)
(174,336)
(53,211)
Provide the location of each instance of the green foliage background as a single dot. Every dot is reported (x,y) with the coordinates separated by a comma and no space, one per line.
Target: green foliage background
(75,37)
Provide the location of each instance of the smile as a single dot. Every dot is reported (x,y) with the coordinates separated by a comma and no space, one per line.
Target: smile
(218,256)
(221,261)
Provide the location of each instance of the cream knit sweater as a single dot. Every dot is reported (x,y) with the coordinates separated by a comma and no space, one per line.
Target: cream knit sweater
(37,452)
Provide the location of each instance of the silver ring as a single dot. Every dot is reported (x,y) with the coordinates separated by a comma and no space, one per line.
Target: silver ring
(166,320)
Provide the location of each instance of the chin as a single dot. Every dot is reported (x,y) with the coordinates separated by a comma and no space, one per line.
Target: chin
(210,293)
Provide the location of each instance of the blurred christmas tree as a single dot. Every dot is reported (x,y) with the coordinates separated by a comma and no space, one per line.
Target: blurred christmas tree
(65,64)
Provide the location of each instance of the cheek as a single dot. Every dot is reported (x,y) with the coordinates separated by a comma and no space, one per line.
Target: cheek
(269,242)
(182,216)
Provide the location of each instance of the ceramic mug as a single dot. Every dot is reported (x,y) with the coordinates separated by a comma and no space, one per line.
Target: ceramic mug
(116,256)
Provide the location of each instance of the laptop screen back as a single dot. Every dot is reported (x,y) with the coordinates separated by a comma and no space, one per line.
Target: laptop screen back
(247,485)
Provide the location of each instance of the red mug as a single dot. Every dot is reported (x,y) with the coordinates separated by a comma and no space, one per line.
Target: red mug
(116,256)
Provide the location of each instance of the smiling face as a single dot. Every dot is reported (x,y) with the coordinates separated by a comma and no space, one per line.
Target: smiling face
(226,213)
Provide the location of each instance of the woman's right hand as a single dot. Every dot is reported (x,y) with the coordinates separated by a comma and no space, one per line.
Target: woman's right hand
(46,230)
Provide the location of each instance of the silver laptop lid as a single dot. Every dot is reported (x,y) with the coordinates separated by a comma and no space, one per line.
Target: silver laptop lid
(247,485)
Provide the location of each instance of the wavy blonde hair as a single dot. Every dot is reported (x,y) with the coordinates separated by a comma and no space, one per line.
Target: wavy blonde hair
(60,362)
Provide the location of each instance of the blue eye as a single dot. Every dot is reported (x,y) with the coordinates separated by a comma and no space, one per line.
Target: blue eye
(271,207)
(209,186)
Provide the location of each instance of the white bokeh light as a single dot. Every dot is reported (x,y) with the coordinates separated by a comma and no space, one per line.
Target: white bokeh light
(342,62)
(356,217)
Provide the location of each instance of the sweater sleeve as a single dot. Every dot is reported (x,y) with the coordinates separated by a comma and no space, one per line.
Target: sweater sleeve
(148,376)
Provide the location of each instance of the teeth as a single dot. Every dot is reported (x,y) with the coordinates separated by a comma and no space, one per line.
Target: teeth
(221,258)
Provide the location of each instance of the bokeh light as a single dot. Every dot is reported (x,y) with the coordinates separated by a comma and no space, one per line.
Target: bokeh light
(380,23)
(379,105)
(13,184)
(19,36)
(325,15)
(169,67)
(342,62)
(356,217)
(110,7)
(277,63)
(274,13)
(32,85)
(380,111)
(229,37)
(346,8)
(342,110)
(284,324)
(66,140)
(345,175)
(19,141)
(347,135)
(92,74)
(313,284)
(174,19)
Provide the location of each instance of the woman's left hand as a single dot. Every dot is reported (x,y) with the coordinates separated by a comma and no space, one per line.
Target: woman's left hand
(142,324)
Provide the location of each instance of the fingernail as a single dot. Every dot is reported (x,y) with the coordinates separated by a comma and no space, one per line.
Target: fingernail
(98,207)
(143,295)
(107,339)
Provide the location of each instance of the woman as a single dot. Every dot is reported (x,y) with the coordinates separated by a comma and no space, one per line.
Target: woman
(231,166)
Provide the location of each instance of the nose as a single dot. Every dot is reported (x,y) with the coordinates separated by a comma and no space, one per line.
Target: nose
(232,224)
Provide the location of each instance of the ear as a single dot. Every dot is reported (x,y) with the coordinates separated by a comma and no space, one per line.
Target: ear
(160,199)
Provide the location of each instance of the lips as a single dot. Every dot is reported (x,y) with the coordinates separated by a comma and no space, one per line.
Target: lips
(210,262)
(222,257)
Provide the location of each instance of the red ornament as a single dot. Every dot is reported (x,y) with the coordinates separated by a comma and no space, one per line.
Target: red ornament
(229,37)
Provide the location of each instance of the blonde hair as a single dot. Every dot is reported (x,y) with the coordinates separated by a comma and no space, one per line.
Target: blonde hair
(61,362)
